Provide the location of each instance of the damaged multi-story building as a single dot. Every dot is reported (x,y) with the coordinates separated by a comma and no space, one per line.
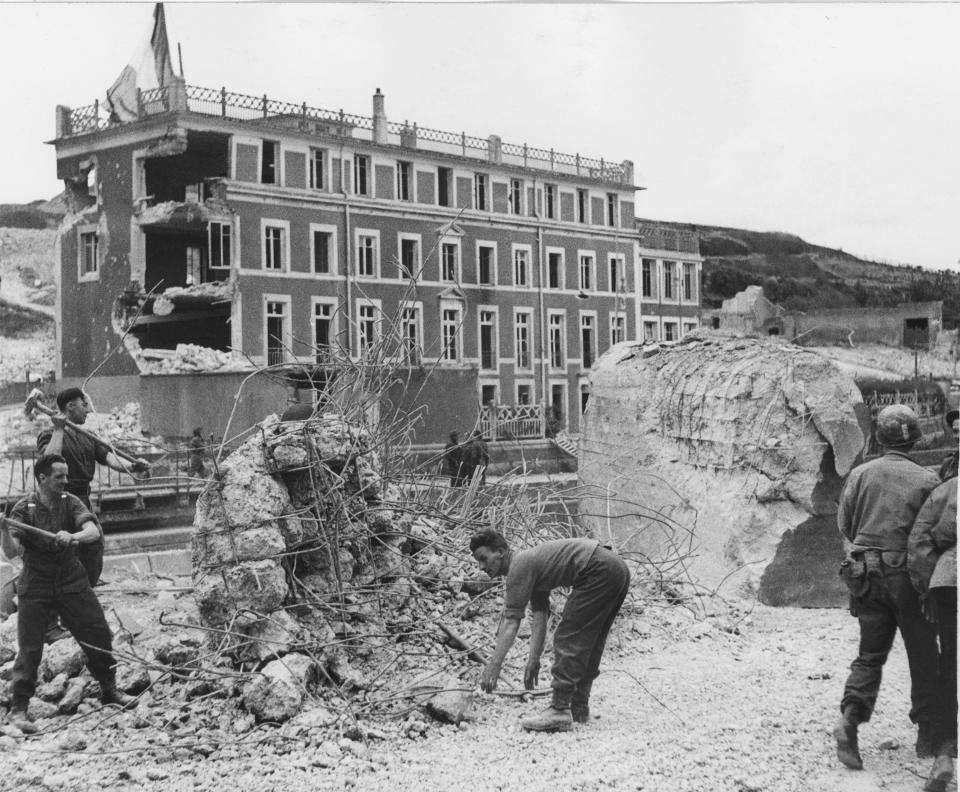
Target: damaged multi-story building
(218,232)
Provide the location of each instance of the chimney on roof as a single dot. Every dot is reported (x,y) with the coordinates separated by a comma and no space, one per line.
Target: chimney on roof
(379,119)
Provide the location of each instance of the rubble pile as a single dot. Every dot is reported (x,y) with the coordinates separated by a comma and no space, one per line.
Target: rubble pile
(735,449)
(310,568)
(185,358)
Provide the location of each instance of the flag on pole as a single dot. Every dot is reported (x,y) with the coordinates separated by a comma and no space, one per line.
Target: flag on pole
(149,67)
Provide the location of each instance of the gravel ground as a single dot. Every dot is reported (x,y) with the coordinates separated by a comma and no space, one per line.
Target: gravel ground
(739,701)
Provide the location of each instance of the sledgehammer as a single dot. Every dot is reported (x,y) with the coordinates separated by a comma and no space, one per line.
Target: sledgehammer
(37,533)
(35,402)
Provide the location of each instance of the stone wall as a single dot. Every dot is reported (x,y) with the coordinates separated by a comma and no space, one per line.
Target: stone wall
(722,453)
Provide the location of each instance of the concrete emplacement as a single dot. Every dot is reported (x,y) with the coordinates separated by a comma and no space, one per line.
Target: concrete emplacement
(725,455)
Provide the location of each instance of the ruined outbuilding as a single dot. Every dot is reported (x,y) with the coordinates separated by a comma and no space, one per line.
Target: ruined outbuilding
(725,455)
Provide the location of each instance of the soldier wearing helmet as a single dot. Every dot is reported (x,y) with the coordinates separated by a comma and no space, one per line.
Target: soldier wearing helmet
(877,509)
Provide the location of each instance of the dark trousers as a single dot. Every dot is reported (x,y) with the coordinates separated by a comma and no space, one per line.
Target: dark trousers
(945,722)
(64,590)
(891,603)
(581,636)
(91,553)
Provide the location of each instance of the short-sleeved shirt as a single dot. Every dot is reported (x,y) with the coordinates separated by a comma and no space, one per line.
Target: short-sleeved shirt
(82,454)
(535,572)
(881,499)
(69,515)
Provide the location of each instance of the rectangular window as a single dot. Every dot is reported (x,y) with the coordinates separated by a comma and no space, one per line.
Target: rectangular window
(521,334)
(486,261)
(322,330)
(89,261)
(409,258)
(322,243)
(317,170)
(450,334)
(550,200)
(516,196)
(617,272)
(268,162)
(649,331)
(367,326)
(618,328)
(611,209)
(668,276)
(521,266)
(554,270)
(588,339)
(445,186)
(404,181)
(274,245)
(366,255)
(410,334)
(276,332)
(219,246)
(669,331)
(488,339)
(583,206)
(646,277)
(689,277)
(361,174)
(689,327)
(524,393)
(448,262)
(587,279)
(480,191)
(558,355)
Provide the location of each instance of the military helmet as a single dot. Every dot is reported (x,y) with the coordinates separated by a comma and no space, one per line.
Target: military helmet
(897,425)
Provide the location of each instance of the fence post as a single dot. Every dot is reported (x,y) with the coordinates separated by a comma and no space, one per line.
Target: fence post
(578,163)
(139,103)
(223,101)
(552,166)
(96,114)
(264,105)
(524,155)
(463,143)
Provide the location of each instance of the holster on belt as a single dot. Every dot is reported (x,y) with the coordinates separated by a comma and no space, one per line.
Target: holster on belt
(855,576)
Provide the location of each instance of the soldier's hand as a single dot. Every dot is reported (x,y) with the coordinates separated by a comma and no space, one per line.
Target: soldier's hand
(489,677)
(929,608)
(141,465)
(531,674)
(58,421)
(64,538)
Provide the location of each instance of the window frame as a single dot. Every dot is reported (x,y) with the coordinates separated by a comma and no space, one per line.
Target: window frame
(406,236)
(591,256)
(551,195)
(375,304)
(648,277)
(405,170)
(332,248)
(367,161)
(688,281)
(527,250)
(312,160)
(328,302)
(284,226)
(286,340)
(618,261)
(444,357)
(613,209)
(445,244)
(495,324)
(591,317)
(618,327)
(210,236)
(85,275)
(527,313)
(414,354)
(561,325)
(375,235)
(581,207)
(481,181)
(651,331)
(668,275)
(516,187)
(548,251)
(482,243)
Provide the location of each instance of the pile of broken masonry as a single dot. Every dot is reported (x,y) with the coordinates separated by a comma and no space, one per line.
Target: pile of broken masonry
(323,596)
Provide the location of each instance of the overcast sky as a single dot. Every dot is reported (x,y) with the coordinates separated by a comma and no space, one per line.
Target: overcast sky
(835,122)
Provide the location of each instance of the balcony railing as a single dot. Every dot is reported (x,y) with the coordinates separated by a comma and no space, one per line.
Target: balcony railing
(273,112)
(512,421)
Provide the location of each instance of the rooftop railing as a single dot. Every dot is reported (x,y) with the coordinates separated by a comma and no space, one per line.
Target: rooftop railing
(265,111)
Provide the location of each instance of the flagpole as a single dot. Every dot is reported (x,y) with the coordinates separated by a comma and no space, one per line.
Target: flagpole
(180,58)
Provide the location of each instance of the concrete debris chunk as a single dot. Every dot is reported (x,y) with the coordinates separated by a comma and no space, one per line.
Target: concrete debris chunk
(276,695)
(735,448)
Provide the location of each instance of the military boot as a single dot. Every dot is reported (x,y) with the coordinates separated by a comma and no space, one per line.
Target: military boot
(20,719)
(111,694)
(940,775)
(845,733)
(555,718)
(580,703)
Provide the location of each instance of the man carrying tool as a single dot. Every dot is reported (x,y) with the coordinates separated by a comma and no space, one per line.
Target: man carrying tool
(82,453)
(46,528)
(600,581)
(876,512)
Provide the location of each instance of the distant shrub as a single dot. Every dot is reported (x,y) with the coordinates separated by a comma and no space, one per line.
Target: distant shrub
(23,218)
